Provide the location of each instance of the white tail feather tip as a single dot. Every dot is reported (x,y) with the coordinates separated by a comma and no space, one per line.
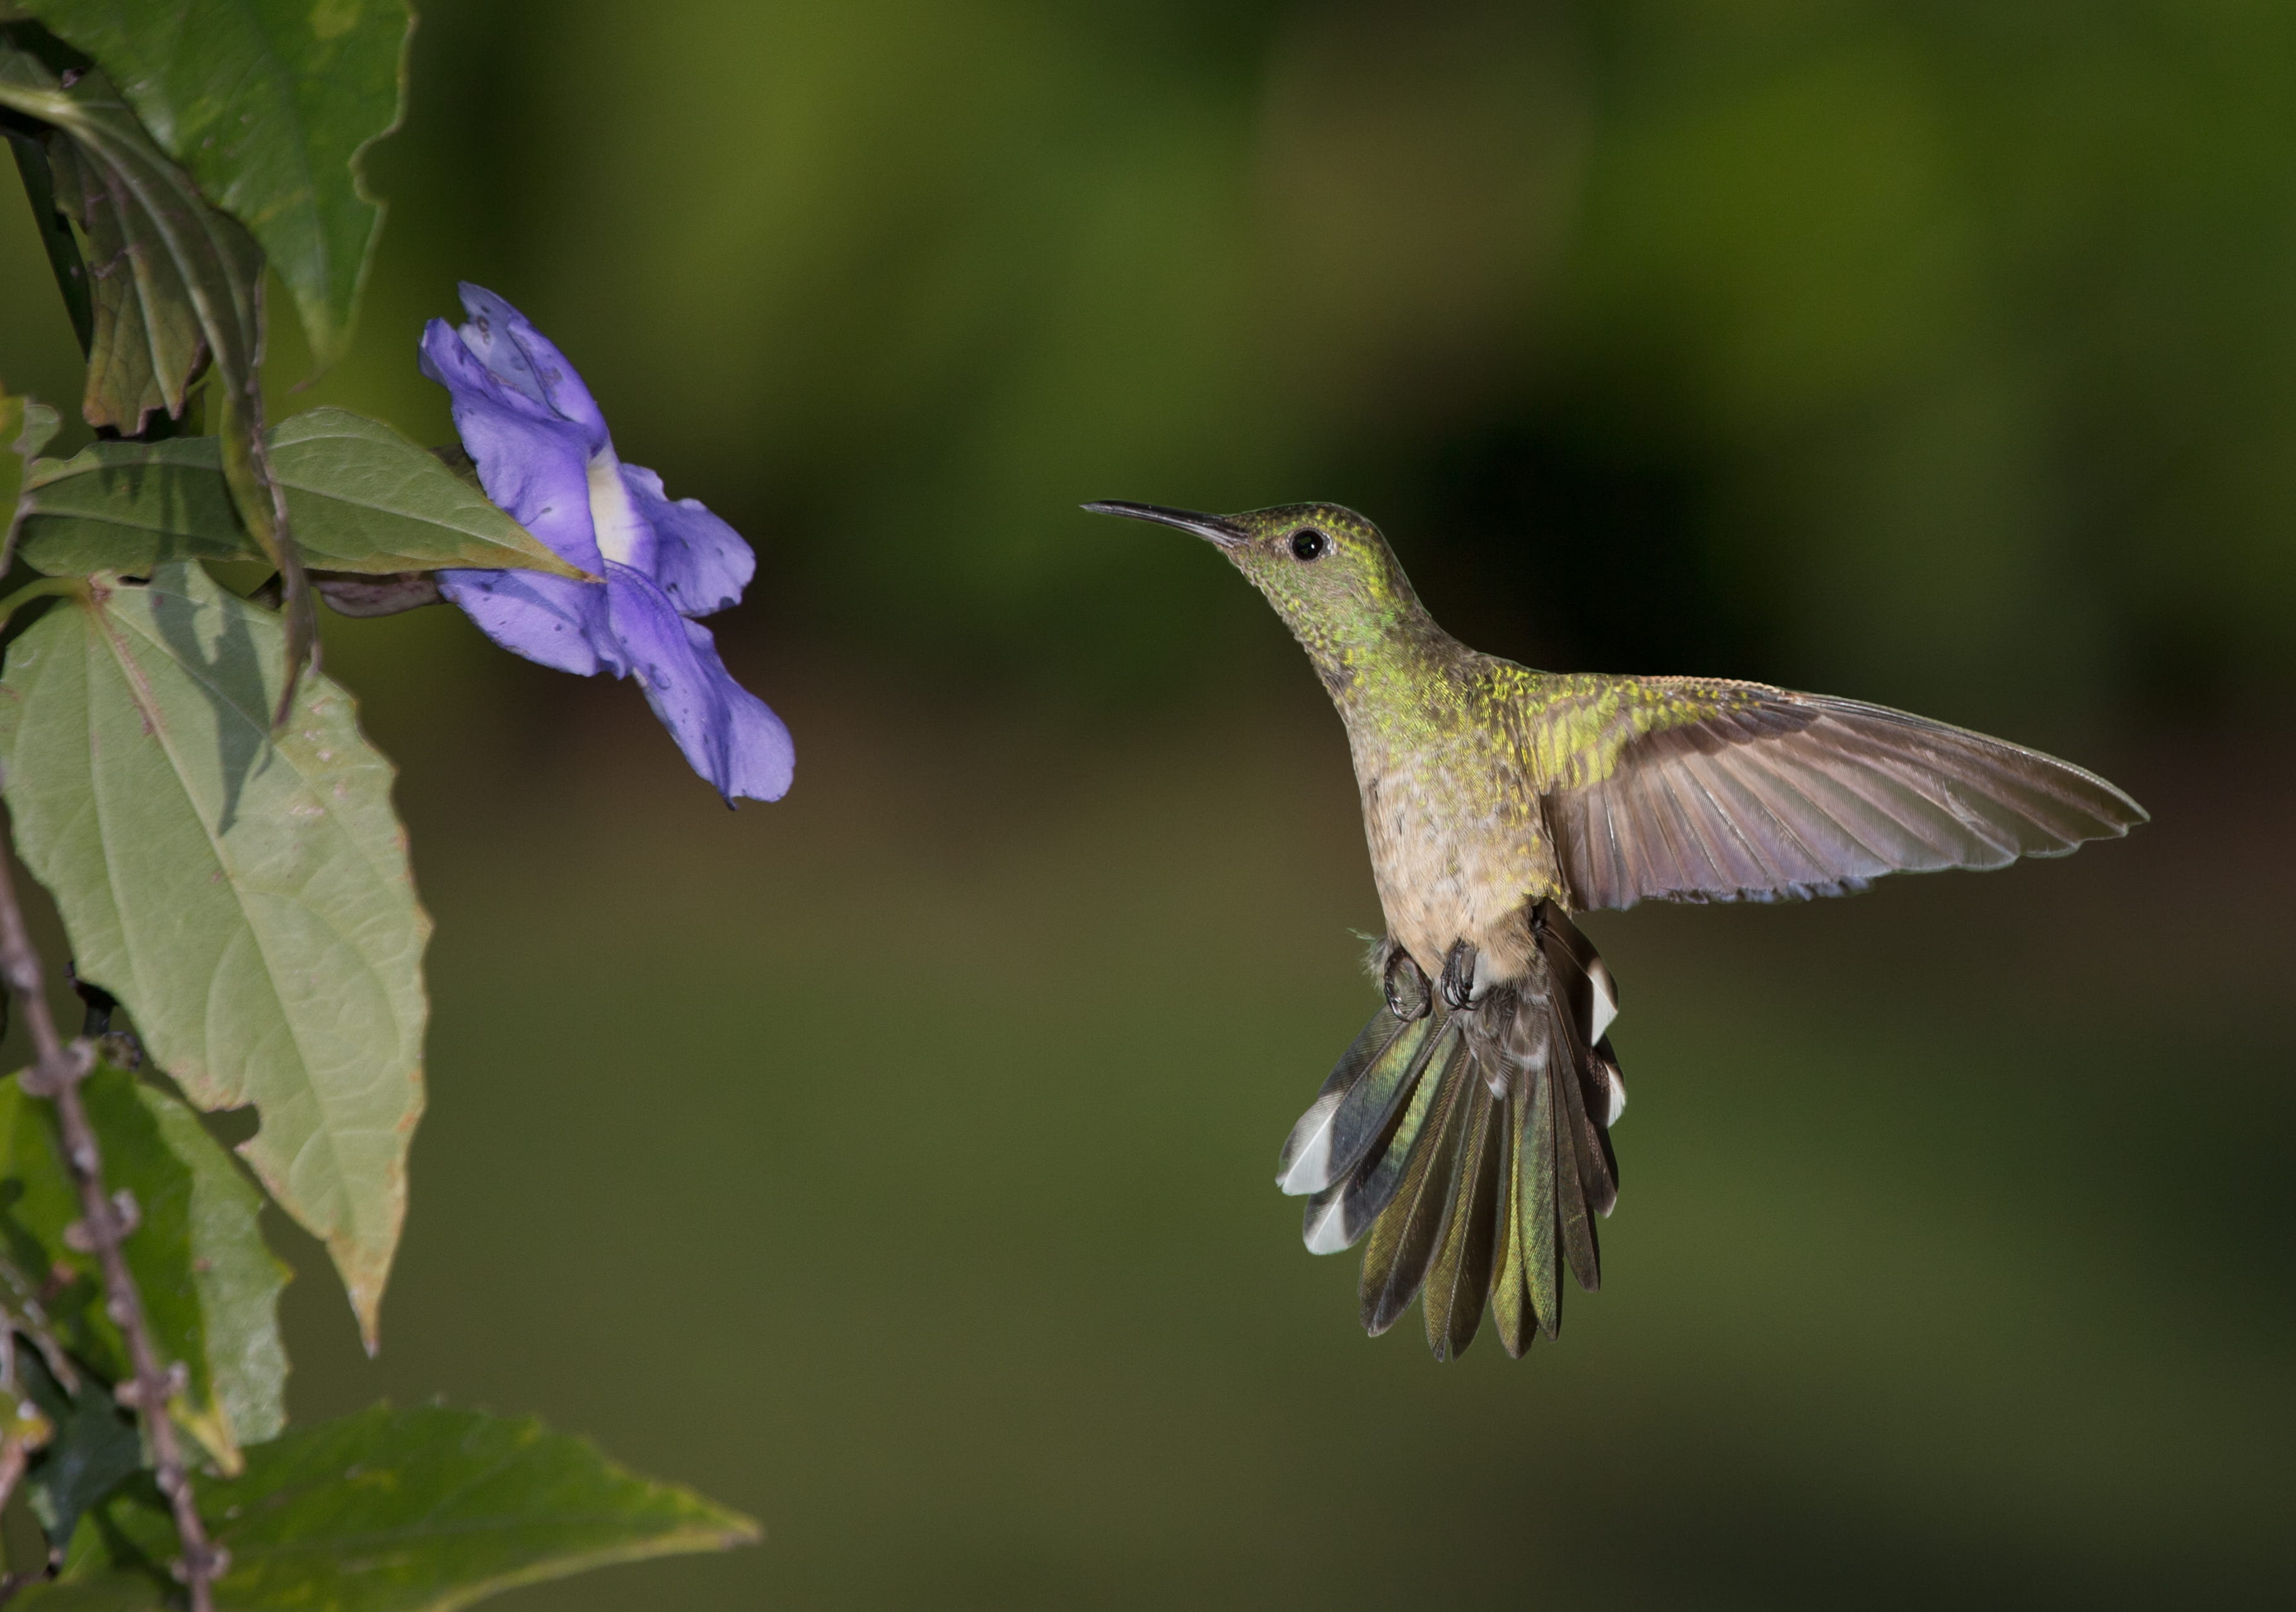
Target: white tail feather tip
(1326,1230)
(1310,1149)
(1606,1001)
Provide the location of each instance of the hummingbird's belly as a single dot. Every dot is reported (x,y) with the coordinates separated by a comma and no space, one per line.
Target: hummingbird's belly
(1458,848)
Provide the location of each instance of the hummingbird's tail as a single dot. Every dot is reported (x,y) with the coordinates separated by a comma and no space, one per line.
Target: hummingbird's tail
(1473,1144)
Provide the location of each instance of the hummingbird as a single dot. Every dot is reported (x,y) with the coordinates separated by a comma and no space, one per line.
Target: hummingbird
(1466,1131)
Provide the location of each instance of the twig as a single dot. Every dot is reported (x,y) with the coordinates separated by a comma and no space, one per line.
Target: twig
(56,1072)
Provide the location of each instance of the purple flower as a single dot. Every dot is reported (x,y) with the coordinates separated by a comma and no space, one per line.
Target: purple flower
(544,454)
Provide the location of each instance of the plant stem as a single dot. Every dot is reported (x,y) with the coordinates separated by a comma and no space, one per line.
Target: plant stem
(46,587)
(55,1074)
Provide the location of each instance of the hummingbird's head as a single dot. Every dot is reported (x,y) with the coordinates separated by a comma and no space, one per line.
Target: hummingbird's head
(1327,570)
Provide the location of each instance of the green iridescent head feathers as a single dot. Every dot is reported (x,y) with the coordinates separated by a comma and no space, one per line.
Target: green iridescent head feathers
(1327,570)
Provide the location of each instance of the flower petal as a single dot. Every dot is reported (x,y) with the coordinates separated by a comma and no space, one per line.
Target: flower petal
(544,454)
(521,357)
(699,561)
(531,462)
(728,735)
(554,622)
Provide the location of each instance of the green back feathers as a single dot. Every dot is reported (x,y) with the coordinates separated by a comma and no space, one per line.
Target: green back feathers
(1575,730)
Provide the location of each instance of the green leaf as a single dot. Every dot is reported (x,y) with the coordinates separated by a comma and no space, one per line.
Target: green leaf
(363,498)
(40,423)
(176,281)
(211,1285)
(271,105)
(102,1593)
(216,1311)
(96,1448)
(120,505)
(25,428)
(11,465)
(398,1511)
(244,893)
(37,1200)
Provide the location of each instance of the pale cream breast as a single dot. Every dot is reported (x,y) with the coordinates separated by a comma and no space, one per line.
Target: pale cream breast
(1457,849)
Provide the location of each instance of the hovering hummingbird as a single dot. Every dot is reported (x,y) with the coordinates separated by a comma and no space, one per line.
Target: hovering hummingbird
(1467,1130)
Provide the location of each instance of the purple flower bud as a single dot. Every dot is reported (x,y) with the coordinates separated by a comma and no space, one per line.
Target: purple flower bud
(544,454)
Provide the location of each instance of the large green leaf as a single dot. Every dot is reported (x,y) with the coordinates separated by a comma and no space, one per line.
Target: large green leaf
(176,281)
(211,1285)
(245,893)
(396,1511)
(270,104)
(127,503)
(363,498)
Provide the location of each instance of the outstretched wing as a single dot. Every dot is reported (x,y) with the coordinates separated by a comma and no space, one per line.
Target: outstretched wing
(1681,790)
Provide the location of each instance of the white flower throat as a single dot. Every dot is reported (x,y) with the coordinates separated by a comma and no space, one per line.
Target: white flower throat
(612,517)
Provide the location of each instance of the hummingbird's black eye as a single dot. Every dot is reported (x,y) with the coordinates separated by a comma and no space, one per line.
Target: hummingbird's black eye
(1308,544)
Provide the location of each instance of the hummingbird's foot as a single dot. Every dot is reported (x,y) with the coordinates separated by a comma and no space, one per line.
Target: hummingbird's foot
(1461,986)
(1408,994)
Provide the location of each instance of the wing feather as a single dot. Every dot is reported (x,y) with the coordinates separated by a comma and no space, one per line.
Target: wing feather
(1722,791)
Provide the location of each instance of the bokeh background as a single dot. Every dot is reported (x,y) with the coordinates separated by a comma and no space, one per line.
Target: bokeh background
(893,1162)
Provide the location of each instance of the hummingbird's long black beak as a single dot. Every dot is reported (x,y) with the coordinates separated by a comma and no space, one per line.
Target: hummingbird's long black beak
(1211,528)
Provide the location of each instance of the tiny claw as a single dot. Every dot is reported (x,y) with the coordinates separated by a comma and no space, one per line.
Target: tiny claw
(1459,970)
(1408,997)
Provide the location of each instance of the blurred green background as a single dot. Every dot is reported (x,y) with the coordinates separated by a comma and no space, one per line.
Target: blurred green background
(893,1162)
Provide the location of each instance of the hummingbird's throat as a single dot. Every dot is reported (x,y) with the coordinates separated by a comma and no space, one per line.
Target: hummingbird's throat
(1339,649)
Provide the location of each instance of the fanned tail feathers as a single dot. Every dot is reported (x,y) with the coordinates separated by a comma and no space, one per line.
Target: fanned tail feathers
(1473,1145)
